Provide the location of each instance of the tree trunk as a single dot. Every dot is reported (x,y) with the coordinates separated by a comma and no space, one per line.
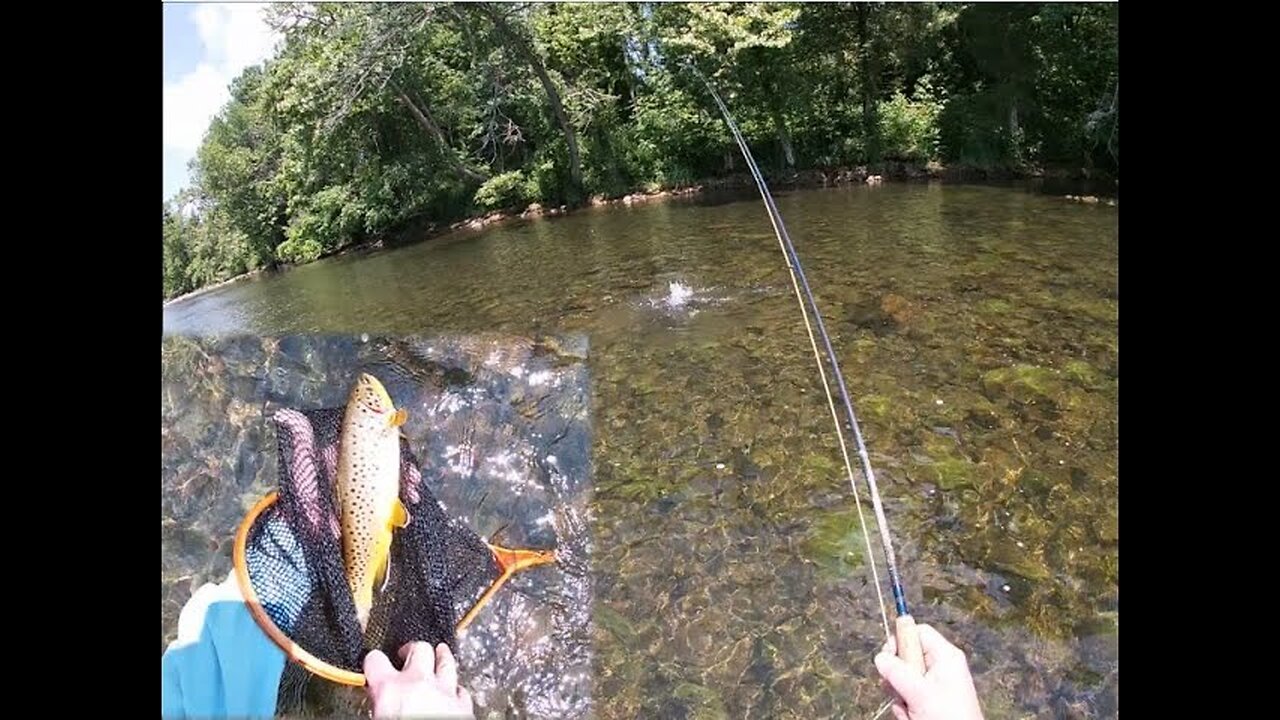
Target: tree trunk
(1115,126)
(870,124)
(422,115)
(784,138)
(1014,138)
(553,95)
(1014,86)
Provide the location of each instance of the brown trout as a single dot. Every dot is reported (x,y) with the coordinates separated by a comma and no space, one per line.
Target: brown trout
(368,489)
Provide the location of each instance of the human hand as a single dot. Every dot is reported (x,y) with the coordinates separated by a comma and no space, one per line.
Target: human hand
(427,687)
(944,692)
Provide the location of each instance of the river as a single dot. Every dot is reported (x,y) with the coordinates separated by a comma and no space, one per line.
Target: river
(977,328)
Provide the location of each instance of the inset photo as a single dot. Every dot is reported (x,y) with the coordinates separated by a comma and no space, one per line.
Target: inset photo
(334,505)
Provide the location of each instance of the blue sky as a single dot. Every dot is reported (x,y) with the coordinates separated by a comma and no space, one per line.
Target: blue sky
(206,45)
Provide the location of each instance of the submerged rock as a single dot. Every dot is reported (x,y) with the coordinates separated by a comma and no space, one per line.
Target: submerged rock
(1024,383)
(700,702)
(1007,557)
(1084,374)
(898,308)
(836,544)
(871,315)
(951,473)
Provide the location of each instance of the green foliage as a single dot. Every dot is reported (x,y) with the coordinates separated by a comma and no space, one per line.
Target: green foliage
(973,131)
(909,128)
(323,222)
(506,191)
(201,247)
(176,255)
(373,115)
(673,132)
(548,179)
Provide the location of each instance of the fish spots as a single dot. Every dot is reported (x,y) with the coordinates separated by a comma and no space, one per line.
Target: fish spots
(369,471)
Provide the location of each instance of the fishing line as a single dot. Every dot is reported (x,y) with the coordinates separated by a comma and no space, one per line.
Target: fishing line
(798,281)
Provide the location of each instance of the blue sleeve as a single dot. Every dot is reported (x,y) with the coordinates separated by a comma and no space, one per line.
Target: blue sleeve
(222,664)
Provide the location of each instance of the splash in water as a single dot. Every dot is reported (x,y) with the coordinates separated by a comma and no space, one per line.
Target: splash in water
(678,294)
(683,301)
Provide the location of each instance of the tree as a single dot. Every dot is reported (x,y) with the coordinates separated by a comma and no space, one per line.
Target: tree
(505,21)
(741,48)
(365,49)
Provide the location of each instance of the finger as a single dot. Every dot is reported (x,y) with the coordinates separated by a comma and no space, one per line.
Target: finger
(464,696)
(377,668)
(906,682)
(446,667)
(937,648)
(885,687)
(419,660)
(899,711)
(409,649)
(890,646)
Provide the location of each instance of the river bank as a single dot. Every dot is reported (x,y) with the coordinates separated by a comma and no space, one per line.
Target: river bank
(1085,189)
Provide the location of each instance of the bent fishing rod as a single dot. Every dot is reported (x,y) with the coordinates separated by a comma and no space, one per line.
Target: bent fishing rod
(906,635)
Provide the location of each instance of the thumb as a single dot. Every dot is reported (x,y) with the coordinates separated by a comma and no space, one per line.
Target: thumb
(905,681)
(377,668)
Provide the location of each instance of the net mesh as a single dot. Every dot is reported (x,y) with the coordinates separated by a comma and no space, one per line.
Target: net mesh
(293,556)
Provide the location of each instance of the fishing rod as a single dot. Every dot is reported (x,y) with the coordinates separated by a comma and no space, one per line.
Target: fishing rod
(906,634)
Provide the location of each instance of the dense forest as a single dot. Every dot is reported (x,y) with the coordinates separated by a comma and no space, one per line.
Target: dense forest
(373,117)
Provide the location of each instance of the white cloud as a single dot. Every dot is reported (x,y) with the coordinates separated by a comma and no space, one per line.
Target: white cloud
(233,37)
(190,104)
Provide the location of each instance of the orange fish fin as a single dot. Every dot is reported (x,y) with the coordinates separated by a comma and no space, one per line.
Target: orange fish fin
(399,515)
(398,418)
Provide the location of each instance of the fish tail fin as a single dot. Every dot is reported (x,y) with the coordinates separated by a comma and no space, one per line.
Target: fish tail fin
(364,604)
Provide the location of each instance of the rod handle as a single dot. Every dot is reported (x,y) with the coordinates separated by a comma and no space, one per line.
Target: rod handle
(907,638)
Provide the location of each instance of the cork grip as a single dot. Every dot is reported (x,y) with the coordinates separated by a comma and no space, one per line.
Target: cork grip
(907,638)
